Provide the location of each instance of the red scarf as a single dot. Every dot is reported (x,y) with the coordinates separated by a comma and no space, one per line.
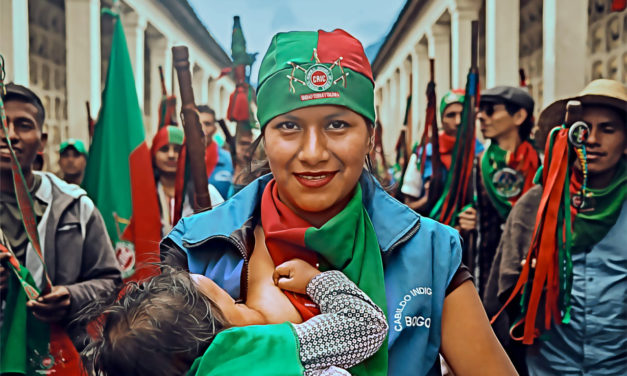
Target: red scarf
(211,157)
(526,161)
(447,143)
(285,232)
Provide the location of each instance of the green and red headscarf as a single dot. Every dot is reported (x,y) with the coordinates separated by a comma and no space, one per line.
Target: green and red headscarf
(306,68)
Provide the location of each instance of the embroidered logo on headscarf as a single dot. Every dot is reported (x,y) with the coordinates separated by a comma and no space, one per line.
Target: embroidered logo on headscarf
(318,77)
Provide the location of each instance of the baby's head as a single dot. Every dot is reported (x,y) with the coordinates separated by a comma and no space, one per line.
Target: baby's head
(157,327)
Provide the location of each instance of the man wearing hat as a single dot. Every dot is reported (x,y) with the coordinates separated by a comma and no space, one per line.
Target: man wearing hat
(588,261)
(506,168)
(54,241)
(72,160)
(416,187)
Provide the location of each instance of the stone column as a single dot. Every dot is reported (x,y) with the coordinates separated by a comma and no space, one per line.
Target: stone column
(461,39)
(415,95)
(422,66)
(502,34)
(203,87)
(440,50)
(134,30)
(563,48)
(160,55)
(83,63)
(14,41)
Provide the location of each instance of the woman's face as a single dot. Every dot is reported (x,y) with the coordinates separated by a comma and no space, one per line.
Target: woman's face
(166,158)
(316,155)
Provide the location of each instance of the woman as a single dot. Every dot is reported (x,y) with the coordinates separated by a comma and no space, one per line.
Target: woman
(316,109)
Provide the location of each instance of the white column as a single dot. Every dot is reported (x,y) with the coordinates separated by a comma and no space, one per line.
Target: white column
(160,55)
(422,58)
(502,40)
(461,39)
(203,80)
(415,95)
(83,63)
(395,98)
(14,40)
(564,48)
(134,30)
(440,50)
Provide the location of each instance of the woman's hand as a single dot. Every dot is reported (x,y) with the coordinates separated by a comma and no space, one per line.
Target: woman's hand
(294,275)
(468,342)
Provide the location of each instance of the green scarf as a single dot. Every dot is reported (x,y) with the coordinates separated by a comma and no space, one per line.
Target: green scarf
(524,161)
(260,350)
(24,339)
(589,227)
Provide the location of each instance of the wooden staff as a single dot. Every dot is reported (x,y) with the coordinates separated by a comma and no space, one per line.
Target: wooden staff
(164,91)
(229,139)
(193,131)
(90,121)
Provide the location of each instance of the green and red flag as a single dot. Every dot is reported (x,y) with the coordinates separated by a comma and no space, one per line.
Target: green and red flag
(118,160)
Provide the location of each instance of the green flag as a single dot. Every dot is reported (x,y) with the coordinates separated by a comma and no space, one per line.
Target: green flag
(118,133)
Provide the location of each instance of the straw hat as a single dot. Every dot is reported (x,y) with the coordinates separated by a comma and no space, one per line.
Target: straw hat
(601,92)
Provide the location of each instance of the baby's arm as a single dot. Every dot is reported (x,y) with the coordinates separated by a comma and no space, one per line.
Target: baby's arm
(350,328)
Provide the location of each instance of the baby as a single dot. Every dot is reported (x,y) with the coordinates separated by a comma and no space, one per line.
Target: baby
(161,326)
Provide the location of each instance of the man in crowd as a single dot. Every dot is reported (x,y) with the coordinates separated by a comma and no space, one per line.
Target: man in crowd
(77,253)
(72,160)
(416,187)
(506,168)
(590,338)
(218,161)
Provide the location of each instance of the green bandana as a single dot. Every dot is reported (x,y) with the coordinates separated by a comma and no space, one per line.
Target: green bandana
(303,69)
(453,96)
(589,227)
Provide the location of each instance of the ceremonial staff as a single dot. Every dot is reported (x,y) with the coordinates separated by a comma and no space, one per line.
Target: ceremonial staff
(193,132)
(229,139)
(472,95)
(431,130)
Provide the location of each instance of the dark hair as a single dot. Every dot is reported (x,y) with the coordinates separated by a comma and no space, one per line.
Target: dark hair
(204,109)
(157,327)
(23,94)
(524,130)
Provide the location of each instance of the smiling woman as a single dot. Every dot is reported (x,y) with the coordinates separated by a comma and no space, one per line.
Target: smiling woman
(319,204)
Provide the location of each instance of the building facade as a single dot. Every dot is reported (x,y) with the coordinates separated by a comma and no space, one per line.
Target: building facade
(560,44)
(60,49)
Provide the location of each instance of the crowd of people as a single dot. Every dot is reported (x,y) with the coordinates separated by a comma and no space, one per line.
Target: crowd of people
(306,264)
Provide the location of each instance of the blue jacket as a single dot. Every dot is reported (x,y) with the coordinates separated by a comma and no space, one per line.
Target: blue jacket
(420,257)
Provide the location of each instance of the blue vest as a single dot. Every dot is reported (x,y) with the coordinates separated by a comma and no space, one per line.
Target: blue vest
(420,257)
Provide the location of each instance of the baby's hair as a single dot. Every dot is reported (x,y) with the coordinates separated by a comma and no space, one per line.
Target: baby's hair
(156,327)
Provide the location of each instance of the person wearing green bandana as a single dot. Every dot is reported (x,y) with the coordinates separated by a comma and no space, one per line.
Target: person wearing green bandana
(316,108)
(590,339)
(72,160)
(78,259)
(416,187)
